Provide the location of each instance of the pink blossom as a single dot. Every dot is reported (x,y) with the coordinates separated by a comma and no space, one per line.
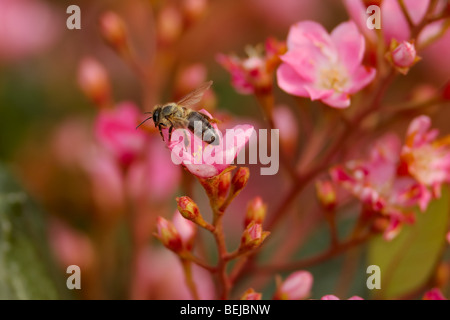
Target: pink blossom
(425,157)
(154,175)
(297,286)
(27,27)
(404,55)
(254,73)
(116,131)
(376,183)
(324,67)
(434,294)
(207,160)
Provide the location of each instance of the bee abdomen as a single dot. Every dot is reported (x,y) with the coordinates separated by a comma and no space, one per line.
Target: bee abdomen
(207,133)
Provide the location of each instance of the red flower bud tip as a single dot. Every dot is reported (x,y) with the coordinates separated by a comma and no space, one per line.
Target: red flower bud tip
(402,56)
(186,229)
(240,179)
(256,211)
(94,81)
(224,185)
(253,236)
(297,286)
(194,9)
(168,235)
(251,294)
(326,194)
(188,208)
(169,25)
(112,29)
(434,294)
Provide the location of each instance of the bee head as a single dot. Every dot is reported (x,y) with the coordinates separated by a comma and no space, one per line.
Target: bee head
(156,114)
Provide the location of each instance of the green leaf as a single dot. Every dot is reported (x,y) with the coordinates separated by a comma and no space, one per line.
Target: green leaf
(26,268)
(407,262)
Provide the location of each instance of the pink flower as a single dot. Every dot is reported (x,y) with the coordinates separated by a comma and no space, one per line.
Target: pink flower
(27,27)
(434,294)
(322,66)
(153,176)
(376,183)
(297,286)
(116,131)
(425,157)
(253,74)
(207,160)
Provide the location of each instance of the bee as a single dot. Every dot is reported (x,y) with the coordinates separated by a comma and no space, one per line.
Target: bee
(179,116)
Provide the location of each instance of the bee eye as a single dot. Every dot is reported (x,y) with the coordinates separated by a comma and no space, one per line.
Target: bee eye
(156,116)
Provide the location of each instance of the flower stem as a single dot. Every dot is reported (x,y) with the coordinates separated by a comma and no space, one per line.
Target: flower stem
(187,268)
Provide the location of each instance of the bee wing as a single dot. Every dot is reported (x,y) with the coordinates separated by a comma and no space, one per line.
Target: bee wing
(195,96)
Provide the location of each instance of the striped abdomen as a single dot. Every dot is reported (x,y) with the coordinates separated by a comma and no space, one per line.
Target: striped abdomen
(202,128)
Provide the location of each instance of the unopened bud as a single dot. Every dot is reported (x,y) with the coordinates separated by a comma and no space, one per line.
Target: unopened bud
(189,210)
(168,235)
(169,25)
(297,286)
(94,81)
(113,31)
(194,9)
(402,56)
(186,229)
(253,236)
(224,185)
(256,211)
(326,194)
(240,179)
(251,294)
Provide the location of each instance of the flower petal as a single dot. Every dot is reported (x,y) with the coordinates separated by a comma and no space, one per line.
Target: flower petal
(350,44)
(290,81)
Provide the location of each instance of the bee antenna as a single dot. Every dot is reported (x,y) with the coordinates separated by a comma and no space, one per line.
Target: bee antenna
(145,119)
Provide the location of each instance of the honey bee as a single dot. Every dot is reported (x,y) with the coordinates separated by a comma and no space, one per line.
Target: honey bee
(179,116)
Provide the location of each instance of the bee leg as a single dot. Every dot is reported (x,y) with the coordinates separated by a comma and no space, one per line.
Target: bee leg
(170,133)
(160,132)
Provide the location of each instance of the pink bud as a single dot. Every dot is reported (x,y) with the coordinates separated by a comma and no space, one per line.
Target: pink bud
(169,24)
(240,179)
(404,55)
(326,194)
(188,208)
(112,29)
(297,286)
(224,185)
(256,211)
(253,236)
(448,237)
(330,297)
(168,235)
(186,229)
(250,294)
(434,294)
(94,81)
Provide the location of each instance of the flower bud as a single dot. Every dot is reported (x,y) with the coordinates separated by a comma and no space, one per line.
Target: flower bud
(240,179)
(169,25)
(402,56)
(256,211)
(434,294)
(251,294)
(94,81)
(112,29)
(329,297)
(186,229)
(326,194)
(224,185)
(189,210)
(252,237)
(297,286)
(194,9)
(168,235)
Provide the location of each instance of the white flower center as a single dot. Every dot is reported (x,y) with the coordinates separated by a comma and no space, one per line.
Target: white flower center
(333,77)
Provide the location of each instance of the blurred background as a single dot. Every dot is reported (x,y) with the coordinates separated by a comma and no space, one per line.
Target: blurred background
(64,202)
